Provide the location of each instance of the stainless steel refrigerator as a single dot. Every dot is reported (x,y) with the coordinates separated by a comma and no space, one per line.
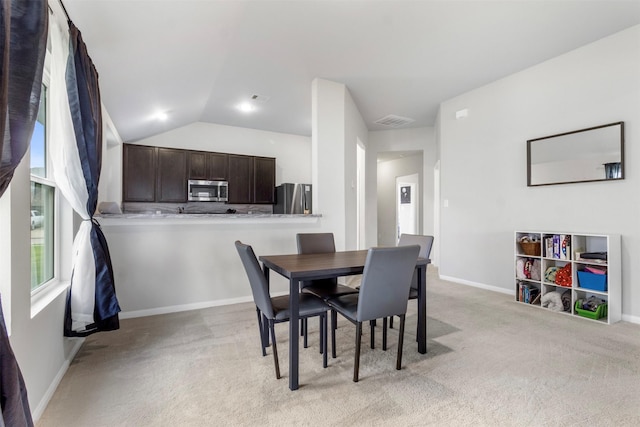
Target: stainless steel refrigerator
(293,199)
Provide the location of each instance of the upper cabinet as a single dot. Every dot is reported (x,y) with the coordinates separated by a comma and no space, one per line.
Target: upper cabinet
(139,173)
(264,173)
(172,175)
(154,174)
(208,166)
(240,179)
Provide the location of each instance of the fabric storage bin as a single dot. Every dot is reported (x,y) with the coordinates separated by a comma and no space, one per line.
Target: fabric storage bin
(597,282)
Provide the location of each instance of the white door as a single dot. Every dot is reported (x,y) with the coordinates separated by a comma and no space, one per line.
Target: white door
(407,205)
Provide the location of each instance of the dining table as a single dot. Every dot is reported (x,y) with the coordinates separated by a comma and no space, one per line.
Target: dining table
(305,267)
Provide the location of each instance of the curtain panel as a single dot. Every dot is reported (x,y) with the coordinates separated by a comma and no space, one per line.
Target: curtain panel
(23,42)
(76,131)
(23,29)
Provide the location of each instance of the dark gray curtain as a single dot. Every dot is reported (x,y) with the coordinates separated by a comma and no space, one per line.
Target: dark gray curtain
(86,113)
(613,170)
(23,42)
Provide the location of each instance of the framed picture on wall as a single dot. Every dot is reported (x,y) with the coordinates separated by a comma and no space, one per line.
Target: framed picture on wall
(405,195)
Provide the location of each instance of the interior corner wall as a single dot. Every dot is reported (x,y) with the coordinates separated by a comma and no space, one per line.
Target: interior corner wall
(483,163)
(355,129)
(328,147)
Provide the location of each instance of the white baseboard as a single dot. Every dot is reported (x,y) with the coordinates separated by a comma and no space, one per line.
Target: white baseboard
(478,285)
(625,317)
(42,405)
(188,307)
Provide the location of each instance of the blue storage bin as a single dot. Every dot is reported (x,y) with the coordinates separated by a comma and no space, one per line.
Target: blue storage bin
(597,282)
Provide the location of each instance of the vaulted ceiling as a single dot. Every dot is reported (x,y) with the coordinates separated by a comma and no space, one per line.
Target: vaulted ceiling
(197,60)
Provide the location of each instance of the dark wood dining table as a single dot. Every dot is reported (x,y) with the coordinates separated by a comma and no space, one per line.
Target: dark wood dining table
(305,267)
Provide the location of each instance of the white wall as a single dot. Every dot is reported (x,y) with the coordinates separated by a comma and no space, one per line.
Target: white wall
(387,173)
(483,163)
(400,140)
(292,152)
(355,129)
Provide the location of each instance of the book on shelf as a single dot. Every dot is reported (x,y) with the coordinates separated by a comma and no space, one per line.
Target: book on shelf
(527,293)
(548,247)
(556,246)
(565,246)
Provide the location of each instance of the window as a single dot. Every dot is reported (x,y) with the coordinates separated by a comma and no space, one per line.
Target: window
(42,203)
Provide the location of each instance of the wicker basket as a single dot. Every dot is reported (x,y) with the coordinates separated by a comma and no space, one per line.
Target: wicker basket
(530,248)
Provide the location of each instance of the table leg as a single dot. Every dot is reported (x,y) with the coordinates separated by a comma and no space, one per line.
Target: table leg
(422,309)
(293,333)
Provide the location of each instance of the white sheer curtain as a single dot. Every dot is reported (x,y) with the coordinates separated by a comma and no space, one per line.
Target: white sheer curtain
(70,179)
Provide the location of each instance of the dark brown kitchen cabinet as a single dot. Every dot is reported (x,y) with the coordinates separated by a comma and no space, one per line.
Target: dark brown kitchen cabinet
(240,179)
(207,166)
(264,173)
(139,173)
(172,175)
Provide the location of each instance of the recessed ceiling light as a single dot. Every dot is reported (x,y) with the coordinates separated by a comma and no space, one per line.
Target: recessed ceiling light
(246,107)
(161,115)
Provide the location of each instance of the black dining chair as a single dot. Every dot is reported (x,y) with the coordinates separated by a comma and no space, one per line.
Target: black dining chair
(425,243)
(276,310)
(320,243)
(384,292)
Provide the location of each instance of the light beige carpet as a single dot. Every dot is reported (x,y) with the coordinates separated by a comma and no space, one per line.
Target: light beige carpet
(490,362)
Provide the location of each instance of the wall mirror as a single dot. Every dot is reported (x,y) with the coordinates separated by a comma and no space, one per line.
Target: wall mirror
(592,154)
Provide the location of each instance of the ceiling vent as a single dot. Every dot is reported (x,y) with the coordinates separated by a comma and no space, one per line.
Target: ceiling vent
(259,99)
(394,121)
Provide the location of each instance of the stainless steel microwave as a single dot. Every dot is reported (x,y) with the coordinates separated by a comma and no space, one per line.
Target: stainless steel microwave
(208,191)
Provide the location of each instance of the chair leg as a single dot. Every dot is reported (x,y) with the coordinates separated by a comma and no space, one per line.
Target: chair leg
(372,323)
(320,327)
(390,322)
(261,330)
(265,329)
(305,332)
(356,362)
(323,339)
(400,343)
(333,334)
(275,349)
(334,319)
(384,334)
(301,327)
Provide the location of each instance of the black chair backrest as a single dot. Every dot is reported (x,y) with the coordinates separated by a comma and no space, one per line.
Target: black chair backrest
(315,243)
(385,284)
(257,280)
(425,242)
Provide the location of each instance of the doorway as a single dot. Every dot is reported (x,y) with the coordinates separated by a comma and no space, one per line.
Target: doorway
(407,202)
(360,195)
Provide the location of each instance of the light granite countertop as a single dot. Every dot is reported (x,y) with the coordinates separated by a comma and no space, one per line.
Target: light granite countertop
(221,218)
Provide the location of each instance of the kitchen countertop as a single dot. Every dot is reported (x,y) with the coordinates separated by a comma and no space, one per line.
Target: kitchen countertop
(211,218)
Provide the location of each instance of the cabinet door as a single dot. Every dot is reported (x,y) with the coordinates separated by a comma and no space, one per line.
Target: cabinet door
(198,166)
(139,173)
(218,166)
(240,179)
(172,175)
(264,172)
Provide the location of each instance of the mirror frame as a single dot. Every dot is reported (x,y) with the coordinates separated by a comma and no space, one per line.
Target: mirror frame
(622,165)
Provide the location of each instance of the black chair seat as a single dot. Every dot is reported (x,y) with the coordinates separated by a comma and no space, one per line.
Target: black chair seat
(309,306)
(413,293)
(347,305)
(328,289)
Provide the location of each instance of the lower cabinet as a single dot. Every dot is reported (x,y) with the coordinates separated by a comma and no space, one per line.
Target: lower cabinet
(569,273)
